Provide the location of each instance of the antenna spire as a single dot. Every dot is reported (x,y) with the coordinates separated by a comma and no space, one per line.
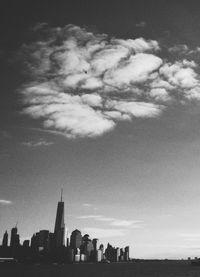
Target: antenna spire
(61,195)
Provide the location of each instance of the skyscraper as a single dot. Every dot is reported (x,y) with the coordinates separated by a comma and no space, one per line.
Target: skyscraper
(5,239)
(42,239)
(76,239)
(87,245)
(59,230)
(14,240)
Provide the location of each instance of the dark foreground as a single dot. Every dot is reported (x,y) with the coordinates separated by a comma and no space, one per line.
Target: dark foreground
(139,269)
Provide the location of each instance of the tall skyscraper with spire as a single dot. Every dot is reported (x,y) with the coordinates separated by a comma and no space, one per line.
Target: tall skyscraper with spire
(59,230)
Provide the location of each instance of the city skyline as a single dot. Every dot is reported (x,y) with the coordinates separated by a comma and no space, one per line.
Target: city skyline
(102,99)
(46,246)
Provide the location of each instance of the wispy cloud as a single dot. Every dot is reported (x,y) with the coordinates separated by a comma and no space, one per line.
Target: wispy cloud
(5,202)
(114,222)
(88,82)
(190,236)
(106,219)
(127,223)
(141,24)
(90,217)
(87,205)
(104,233)
(53,132)
(90,206)
(37,143)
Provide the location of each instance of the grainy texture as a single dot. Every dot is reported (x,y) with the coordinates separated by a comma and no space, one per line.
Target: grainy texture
(143,269)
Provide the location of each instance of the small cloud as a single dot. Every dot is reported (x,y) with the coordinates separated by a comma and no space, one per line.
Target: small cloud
(179,48)
(104,233)
(96,217)
(89,217)
(38,143)
(126,223)
(141,24)
(46,131)
(91,206)
(103,218)
(39,26)
(5,202)
(87,205)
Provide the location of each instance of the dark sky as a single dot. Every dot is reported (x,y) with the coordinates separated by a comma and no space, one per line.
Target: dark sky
(142,177)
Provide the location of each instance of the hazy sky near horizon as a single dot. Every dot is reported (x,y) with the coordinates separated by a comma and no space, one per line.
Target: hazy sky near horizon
(103,99)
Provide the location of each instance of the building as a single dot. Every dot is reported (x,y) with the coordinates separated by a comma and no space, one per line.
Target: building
(121,257)
(87,246)
(42,240)
(126,254)
(94,242)
(34,245)
(5,239)
(14,239)
(75,239)
(101,251)
(95,254)
(51,242)
(117,254)
(26,243)
(59,230)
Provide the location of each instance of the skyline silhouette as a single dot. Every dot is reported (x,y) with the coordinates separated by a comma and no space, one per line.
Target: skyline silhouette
(45,246)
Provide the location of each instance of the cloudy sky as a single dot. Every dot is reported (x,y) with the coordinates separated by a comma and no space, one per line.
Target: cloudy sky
(103,99)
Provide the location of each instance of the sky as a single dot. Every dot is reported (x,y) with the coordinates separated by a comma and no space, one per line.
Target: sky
(102,99)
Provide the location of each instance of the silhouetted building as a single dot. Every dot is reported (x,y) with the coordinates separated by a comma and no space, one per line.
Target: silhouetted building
(87,246)
(51,242)
(126,254)
(14,239)
(117,254)
(101,247)
(59,229)
(94,242)
(110,253)
(34,242)
(5,239)
(121,257)
(26,243)
(114,254)
(75,239)
(42,239)
(94,252)
(101,250)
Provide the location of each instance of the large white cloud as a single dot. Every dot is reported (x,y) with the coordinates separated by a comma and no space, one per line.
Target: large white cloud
(83,83)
